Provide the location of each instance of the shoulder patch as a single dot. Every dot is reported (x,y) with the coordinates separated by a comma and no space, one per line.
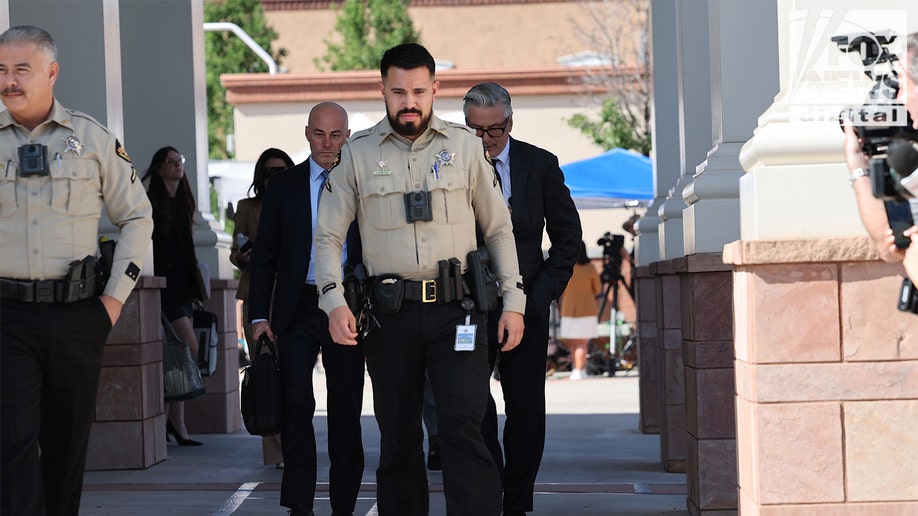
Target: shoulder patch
(119,149)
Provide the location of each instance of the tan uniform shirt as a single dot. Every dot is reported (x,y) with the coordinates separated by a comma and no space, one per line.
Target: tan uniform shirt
(46,222)
(377,168)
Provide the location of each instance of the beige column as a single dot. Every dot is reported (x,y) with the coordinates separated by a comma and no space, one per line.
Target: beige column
(826,382)
(739,34)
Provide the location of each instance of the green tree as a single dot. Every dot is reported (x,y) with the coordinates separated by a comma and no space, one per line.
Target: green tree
(367,29)
(618,31)
(613,129)
(226,53)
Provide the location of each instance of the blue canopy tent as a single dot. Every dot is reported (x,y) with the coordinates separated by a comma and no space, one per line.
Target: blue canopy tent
(615,179)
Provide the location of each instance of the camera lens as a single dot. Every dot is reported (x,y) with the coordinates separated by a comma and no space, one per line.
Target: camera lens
(32,149)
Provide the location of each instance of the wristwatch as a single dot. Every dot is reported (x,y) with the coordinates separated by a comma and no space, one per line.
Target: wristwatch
(857,173)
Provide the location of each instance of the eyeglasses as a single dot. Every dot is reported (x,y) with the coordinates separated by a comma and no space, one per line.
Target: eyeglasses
(179,161)
(493,132)
(274,170)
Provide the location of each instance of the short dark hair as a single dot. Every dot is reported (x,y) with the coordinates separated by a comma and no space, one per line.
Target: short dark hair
(406,56)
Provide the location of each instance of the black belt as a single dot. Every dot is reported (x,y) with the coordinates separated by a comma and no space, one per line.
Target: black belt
(429,291)
(46,291)
(425,291)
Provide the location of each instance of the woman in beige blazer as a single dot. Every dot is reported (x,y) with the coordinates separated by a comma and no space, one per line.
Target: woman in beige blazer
(245,236)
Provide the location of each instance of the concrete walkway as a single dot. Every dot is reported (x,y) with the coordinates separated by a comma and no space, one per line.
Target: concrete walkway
(596,463)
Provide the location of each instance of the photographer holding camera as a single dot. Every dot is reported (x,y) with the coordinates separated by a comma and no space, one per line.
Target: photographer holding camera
(871,208)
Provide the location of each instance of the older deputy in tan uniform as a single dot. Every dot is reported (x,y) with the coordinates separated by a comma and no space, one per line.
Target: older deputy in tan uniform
(418,185)
(58,168)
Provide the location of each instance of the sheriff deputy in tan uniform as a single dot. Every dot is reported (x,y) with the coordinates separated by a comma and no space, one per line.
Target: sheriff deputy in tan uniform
(58,168)
(417,186)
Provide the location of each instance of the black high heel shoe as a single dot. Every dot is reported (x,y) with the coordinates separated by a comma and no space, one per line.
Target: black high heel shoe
(170,430)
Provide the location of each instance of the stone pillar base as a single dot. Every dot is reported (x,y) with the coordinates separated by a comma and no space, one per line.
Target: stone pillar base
(707,352)
(217,411)
(826,380)
(672,378)
(649,360)
(129,427)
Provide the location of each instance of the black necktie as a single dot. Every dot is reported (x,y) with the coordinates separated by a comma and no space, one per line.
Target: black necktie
(497,173)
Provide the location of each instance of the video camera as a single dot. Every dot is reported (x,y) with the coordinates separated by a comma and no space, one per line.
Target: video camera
(882,123)
(611,256)
(887,137)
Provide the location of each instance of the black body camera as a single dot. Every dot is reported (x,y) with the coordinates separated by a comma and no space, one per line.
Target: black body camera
(417,207)
(33,160)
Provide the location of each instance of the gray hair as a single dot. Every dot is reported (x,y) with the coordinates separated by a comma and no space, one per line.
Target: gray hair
(30,34)
(912,56)
(487,94)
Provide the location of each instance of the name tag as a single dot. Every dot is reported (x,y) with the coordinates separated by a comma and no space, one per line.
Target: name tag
(382,172)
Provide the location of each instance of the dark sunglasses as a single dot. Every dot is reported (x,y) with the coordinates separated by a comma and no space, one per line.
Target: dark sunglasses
(274,170)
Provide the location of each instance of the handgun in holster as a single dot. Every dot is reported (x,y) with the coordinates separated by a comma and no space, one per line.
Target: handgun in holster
(355,286)
(482,282)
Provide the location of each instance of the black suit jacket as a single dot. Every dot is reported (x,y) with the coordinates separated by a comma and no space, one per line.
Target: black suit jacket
(280,257)
(540,199)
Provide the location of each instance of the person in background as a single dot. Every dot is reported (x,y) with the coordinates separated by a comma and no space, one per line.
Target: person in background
(579,312)
(872,210)
(439,170)
(52,337)
(245,236)
(174,258)
(241,343)
(533,186)
(283,263)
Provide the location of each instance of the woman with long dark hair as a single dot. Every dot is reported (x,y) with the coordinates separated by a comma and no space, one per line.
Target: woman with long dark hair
(245,235)
(174,258)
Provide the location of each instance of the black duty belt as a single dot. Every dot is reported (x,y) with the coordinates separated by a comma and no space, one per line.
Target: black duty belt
(46,291)
(425,291)
(430,291)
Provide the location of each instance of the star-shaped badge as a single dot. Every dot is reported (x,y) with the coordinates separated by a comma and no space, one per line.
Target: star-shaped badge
(382,163)
(445,158)
(73,145)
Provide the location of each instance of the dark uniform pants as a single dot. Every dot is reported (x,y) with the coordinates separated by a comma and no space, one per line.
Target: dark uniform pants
(50,359)
(522,380)
(422,336)
(344,376)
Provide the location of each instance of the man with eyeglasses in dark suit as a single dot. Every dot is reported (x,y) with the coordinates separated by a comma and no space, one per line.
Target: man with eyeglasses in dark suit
(533,186)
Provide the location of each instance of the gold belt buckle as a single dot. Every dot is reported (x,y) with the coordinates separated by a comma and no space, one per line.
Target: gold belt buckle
(428,291)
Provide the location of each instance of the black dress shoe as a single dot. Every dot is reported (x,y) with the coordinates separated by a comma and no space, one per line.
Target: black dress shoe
(300,511)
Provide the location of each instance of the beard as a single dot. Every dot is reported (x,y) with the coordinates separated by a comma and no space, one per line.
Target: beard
(408,129)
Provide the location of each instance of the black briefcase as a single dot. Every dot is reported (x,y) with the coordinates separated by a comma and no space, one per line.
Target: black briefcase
(262,395)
